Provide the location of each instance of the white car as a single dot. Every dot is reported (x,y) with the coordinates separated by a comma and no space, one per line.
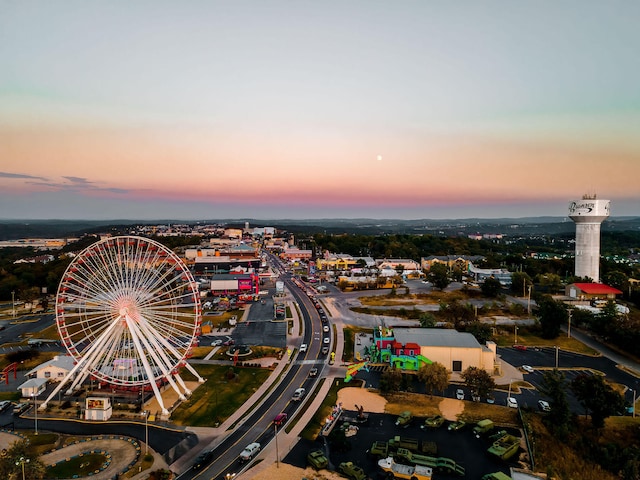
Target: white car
(544,406)
(249,452)
(460,394)
(326,340)
(216,343)
(303,347)
(325,328)
(298,394)
(512,402)
(527,368)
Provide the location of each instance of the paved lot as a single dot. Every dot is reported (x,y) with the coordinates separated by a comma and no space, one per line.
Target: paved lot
(461,446)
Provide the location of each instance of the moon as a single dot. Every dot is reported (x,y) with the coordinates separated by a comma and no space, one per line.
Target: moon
(379,158)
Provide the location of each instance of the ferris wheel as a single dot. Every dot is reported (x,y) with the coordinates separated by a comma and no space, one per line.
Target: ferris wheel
(128,311)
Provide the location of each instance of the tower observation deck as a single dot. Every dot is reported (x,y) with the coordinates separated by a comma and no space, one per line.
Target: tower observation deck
(588,214)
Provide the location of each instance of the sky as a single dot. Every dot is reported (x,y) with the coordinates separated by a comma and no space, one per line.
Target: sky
(329,109)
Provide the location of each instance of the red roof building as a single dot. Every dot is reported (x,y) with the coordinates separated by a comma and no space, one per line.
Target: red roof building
(589,291)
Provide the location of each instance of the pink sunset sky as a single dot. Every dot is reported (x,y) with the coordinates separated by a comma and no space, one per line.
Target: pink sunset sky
(204,110)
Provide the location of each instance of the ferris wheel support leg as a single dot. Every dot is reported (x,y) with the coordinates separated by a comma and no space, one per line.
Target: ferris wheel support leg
(195,374)
(153,348)
(82,365)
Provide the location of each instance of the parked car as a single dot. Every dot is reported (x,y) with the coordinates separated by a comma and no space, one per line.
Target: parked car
(4,404)
(512,402)
(20,407)
(325,350)
(326,340)
(303,347)
(460,394)
(313,372)
(216,343)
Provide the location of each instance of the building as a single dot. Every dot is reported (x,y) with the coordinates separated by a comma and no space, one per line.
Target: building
(588,214)
(33,387)
(451,261)
(409,348)
(481,274)
(591,292)
(54,370)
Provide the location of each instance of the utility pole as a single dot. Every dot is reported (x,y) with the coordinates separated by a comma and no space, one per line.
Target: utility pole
(569,327)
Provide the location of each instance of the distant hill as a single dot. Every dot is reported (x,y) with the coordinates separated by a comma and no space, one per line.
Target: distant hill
(14,229)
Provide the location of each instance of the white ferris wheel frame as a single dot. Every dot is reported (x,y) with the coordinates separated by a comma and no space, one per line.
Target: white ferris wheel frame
(128,311)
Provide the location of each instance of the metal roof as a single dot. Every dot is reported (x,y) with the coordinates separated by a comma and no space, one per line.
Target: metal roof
(435,337)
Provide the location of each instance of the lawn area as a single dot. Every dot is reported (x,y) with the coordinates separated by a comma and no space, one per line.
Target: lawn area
(220,396)
(528,337)
(77,466)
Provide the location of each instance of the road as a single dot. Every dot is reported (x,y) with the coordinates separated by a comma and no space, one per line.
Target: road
(258,425)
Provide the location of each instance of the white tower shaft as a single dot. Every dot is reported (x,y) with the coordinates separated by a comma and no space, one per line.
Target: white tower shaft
(588,214)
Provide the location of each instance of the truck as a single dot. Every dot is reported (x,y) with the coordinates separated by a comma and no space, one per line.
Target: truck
(439,464)
(352,471)
(505,447)
(482,427)
(434,421)
(382,449)
(496,476)
(408,472)
(317,459)
(404,419)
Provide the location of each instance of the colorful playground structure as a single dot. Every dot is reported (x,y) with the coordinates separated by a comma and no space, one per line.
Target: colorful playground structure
(387,351)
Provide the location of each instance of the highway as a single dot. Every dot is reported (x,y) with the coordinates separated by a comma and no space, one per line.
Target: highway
(258,425)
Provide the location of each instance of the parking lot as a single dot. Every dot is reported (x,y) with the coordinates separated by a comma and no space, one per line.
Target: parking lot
(461,446)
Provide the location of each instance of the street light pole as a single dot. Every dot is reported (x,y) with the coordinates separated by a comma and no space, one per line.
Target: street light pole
(13,303)
(146,432)
(275,427)
(529,301)
(569,327)
(22,461)
(556,356)
(35,403)
(515,334)
(634,403)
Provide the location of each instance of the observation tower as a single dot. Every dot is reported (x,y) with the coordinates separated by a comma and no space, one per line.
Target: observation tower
(588,214)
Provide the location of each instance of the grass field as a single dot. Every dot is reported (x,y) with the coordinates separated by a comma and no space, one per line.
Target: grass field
(220,396)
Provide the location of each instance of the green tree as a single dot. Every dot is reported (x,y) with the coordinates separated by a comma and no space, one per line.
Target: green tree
(18,455)
(457,313)
(552,315)
(439,276)
(481,331)
(434,376)
(478,381)
(391,380)
(554,386)
(491,287)
(520,281)
(549,282)
(597,398)
(427,320)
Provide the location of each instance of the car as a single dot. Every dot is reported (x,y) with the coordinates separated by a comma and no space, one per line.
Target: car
(325,350)
(352,471)
(527,368)
(203,459)
(325,328)
(512,402)
(460,394)
(455,426)
(522,348)
(249,452)
(326,340)
(313,372)
(303,347)
(216,343)
(280,419)
(434,421)
(544,406)
(491,400)
(229,342)
(20,407)
(298,394)
(323,317)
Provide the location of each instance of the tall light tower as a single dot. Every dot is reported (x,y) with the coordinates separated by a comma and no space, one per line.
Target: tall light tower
(588,214)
